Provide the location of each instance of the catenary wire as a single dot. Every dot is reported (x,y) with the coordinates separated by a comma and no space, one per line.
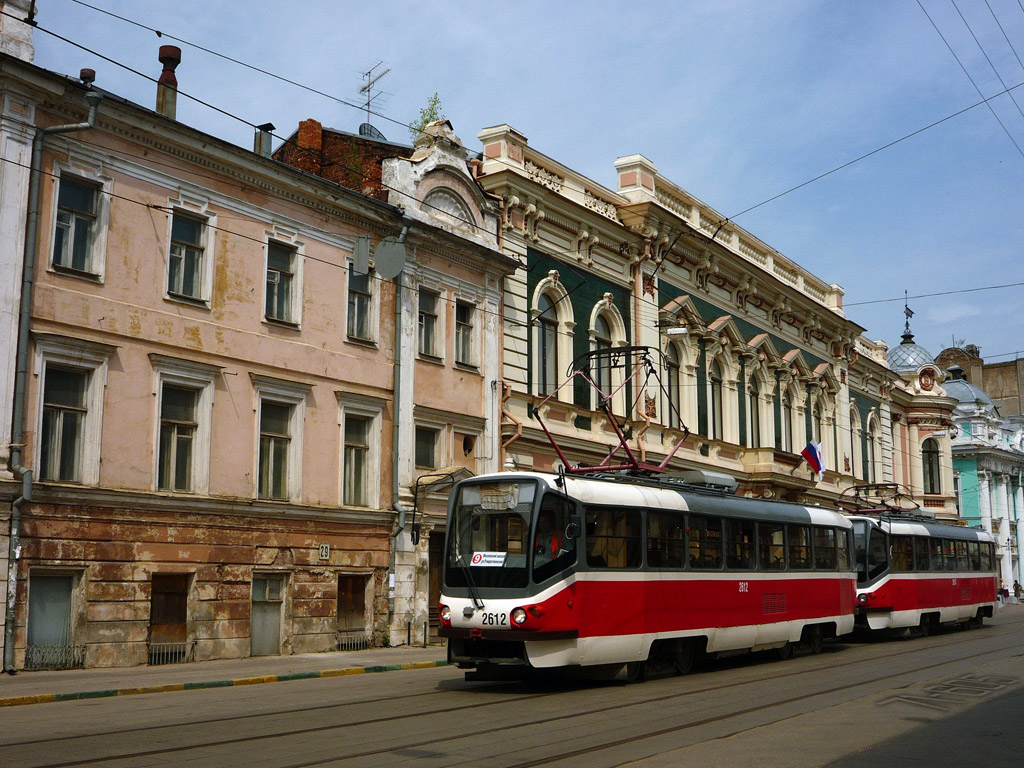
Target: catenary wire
(985,53)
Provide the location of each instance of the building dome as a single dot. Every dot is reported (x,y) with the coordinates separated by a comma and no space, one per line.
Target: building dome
(908,356)
(971,397)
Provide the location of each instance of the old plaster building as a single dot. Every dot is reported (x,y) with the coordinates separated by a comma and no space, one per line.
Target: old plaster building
(756,354)
(213,429)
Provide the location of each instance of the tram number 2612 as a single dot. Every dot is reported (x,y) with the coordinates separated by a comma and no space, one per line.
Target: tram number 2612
(494,619)
(744,586)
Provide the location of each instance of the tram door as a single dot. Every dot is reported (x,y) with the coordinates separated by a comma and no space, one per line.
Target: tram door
(436,556)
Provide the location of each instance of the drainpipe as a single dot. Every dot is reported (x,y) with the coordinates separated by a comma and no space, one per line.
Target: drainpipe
(18,416)
(395,433)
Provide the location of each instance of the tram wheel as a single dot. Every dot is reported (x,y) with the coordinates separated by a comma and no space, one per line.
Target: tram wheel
(785,652)
(682,657)
(977,622)
(814,639)
(926,626)
(634,671)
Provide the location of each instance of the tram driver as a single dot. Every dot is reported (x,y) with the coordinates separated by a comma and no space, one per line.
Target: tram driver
(548,543)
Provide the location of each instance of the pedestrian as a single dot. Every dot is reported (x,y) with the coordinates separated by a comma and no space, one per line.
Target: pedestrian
(1016,591)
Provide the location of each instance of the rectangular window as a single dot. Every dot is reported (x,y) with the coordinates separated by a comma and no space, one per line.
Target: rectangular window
(357,448)
(76,223)
(275,439)
(64,414)
(739,544)
(902,553)
(666,540)
(358,305)
(185,263)
(428,323)
(178,426)
(974,553)
(613,537)
(464,333)
(280,282)
(547,330)
(825,548)
(949,554)
(771,548)
(799,538)
(426,448)
(935,553)
(843,540)
(962,563)
(920,553)
(704,539)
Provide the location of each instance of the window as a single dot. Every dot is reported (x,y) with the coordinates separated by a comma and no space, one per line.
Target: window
(754,413)
(902,553)
(428,323)
(464,333)
(962,561)
(281,283)
(715,392)
(74,238)
(178,423)
(920,553)
(185,267)
(359,305)
(739,544)
(547,346)
(72,375)
(666,540)
(786,414)
(974,553)
(613,537)
(357,449)
(770,546)
(825,548)
(930,460)
(280,409)
(843,540)
(799,539)
(704,538)
(602,341)
(672,382)
(426,447)
(64,415)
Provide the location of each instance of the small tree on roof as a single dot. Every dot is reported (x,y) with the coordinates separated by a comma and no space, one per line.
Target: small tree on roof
(429,114)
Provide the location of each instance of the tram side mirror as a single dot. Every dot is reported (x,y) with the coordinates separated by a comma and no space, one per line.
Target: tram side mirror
(572,528)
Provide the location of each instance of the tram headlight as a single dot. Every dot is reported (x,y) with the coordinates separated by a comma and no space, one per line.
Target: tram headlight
(862,598)
(445,613)
(518,616)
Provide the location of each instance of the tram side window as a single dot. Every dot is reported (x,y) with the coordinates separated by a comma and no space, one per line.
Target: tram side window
(987,561)
(554,543)
(613,537)
(962,563)
(902,553)
(974,554)
(799,538)
(770,546)
(920,553)
(824,548)
(705,541)
(843,540)
(739,544)
(935,553)
(878,555)
(666,539)
(949,554)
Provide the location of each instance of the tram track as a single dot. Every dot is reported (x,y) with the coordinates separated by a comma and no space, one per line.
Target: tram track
(445,710)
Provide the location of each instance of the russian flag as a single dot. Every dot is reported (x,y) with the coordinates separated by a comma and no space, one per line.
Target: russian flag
(815,458)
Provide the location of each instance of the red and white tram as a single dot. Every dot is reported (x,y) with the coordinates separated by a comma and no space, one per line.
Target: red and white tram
(918,573)
(546,571)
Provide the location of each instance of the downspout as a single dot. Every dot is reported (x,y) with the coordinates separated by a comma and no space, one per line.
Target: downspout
(395,432)
(21,369)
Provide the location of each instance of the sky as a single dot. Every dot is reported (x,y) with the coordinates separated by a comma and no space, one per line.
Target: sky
(736,101)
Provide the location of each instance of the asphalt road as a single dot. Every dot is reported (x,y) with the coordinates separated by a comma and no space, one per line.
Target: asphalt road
(953,699)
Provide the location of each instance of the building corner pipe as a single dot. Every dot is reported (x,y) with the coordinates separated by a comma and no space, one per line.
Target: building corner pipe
(21,365)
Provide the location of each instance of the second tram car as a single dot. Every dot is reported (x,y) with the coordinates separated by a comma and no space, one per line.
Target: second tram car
(545,571)
(918,573)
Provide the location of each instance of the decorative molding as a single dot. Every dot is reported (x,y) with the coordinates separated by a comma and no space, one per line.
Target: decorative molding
(545,178)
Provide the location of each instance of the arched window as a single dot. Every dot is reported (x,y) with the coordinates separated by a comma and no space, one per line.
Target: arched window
(672,382)
(787,420)
(602,367)
(754,413)
(547,346)
(871,470)
(715,421)
(856,438)
(930,460)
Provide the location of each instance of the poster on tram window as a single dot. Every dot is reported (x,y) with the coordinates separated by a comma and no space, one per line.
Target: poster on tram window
(488,559)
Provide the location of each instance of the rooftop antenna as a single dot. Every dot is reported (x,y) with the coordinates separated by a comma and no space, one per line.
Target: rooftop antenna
(372,76)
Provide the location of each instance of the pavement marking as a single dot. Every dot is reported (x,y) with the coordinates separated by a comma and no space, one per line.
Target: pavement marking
(45,698)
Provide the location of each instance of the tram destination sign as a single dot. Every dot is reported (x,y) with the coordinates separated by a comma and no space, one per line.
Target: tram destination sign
(488,559)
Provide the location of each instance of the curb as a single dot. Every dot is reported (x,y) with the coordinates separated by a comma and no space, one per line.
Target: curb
(46,698)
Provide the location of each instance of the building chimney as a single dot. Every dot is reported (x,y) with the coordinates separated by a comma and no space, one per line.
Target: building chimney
(264,138)
(167,85)
(309,143)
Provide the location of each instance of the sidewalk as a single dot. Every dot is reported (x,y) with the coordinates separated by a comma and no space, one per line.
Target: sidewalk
(68,685)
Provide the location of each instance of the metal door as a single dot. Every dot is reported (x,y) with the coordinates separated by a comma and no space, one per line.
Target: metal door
(265,623)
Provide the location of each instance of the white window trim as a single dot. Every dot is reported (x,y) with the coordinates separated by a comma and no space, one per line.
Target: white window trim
(617,331)
(563,333)
(289,239)
(201,378)
(283,392)
(98,247)
(371,408)
(193,210)
(474,333)
(87,356)
(372,312)
(440,322)
(441,443)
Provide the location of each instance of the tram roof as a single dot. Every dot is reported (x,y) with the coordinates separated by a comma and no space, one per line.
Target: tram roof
(927,528)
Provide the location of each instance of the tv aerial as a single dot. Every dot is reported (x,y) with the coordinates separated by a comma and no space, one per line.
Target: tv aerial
(372,76)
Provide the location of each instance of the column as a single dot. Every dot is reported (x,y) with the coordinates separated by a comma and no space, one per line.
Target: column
(985,501)
(1003,512)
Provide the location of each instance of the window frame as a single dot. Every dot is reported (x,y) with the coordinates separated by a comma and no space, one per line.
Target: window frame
(201,378)
(288,393)
(437,450)
(371,409)
(96,257)
(432,320)
(369,299)
(296,250)
(465,341)
(931,462)
(91,358)
(208,221)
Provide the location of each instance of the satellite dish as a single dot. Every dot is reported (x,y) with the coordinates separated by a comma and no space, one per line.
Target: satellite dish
(361,255)
(365,129)
(389,257)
